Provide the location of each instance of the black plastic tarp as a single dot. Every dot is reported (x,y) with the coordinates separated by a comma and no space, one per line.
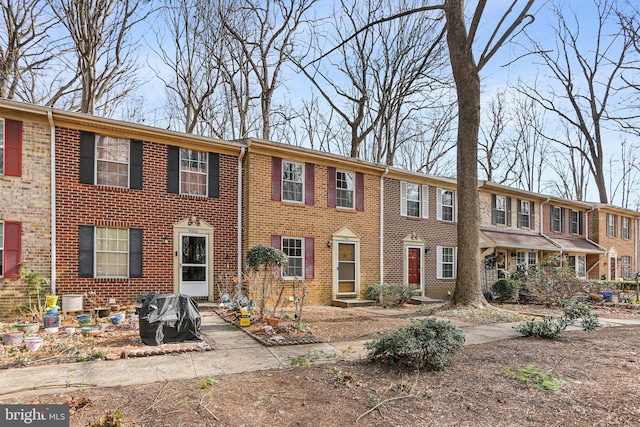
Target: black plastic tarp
(169,318)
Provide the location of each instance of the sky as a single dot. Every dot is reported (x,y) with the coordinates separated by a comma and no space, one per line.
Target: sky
(497,75)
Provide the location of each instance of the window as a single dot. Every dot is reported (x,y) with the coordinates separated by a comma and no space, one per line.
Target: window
(581,266)
(293,248)
(193,172)
(611,225)
(527,259)
(556,219)
(112,161)
(446,263)
(500,210)
(109,252)
(574,222)
(625,227)
(625,267)
(525,214)
(344,189)
(446,205)
(292,182)
(414,200)
(112,252)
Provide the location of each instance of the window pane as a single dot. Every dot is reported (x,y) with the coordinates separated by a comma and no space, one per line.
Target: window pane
(413,200)
(112,161)
(292,182)
(347,271)
(293,249)
(344,189)
(112,252)
(193,172)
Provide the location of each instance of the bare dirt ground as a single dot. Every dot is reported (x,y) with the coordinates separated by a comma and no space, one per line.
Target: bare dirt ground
(600,374)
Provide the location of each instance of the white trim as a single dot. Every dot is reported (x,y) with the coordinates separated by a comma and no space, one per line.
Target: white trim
(302,183)
(206,174)
(353,189)
(302,256)
(96,160)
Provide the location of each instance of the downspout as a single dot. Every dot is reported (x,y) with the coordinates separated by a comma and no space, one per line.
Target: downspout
(53,202)
(239,235)
(386,171)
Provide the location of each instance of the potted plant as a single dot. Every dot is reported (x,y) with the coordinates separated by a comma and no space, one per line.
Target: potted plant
(265,284)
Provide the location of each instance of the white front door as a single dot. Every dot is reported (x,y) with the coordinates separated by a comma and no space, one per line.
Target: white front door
(194,264)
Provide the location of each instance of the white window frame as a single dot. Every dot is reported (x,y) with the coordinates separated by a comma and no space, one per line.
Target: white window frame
(441,261)
(441,206)
(117,252)
(574,222)
(350,179)
(581,266)
(556,219)
(200,161)
(285,270)
(98,160)
(625,227)
(501,207)
(423,195)
(611,225)
(2,151)
(293,182)
(526,257)
(524,214)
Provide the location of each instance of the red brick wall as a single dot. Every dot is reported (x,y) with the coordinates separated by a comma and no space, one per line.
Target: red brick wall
(431,231)
(152,209)
(616,246)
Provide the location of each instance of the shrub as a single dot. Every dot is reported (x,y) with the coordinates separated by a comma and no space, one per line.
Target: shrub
(390,292)
(552,327)
(505,289)
(265,264)
(423,344)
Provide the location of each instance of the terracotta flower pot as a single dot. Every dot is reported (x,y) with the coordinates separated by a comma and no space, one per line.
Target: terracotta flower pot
(273,320)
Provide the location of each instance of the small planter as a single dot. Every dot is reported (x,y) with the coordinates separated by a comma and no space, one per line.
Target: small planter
(12,338)
(89,332)
(117,319)
(27,327)
(84,320)
(70,331)
(33,343)
(103,312)
(273,320)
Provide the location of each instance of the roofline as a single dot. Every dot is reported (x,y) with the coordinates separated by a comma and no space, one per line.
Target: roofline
(117,128)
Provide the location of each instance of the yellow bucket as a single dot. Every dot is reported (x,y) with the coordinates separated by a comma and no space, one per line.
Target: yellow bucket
(245,321)
(52,301)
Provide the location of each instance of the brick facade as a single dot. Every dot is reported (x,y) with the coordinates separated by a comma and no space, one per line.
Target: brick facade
(265,217)
(401,232)
(27,199)
(610,265)
(151,209)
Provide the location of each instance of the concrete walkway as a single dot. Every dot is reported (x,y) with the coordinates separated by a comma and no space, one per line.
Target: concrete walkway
(234,352)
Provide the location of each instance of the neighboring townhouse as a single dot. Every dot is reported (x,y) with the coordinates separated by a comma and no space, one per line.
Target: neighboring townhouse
(140,209)
(322,210)
(566,223)
(25,199)
(419,225)
(616,230)
(510,231)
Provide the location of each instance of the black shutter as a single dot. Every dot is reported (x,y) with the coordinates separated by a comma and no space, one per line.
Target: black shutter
(173,169)
(519,213)
(135,252)
(214,175)
(135,159)
(87,157)
(580,223)
(508,212)
(563,214)
(85,245)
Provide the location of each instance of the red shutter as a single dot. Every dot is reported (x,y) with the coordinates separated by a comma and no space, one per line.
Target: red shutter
(331,187)
(309,184)
(359,191)
(12,249)
(309,247)
(276,241)
(12,147)
(276,178)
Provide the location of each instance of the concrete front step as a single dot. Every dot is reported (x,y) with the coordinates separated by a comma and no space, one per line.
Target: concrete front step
(424,300)
(352,302)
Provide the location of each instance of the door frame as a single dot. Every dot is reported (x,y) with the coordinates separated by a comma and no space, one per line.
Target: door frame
(206,265)
(344,236)
(195,226)
(415,242)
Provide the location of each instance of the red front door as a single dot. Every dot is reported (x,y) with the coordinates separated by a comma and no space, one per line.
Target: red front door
(414,266)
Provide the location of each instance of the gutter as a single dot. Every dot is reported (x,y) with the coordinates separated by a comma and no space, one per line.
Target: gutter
(239,231)
(53,202)
(386,171)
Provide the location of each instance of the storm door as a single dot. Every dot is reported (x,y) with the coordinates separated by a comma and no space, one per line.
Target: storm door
(194,264)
